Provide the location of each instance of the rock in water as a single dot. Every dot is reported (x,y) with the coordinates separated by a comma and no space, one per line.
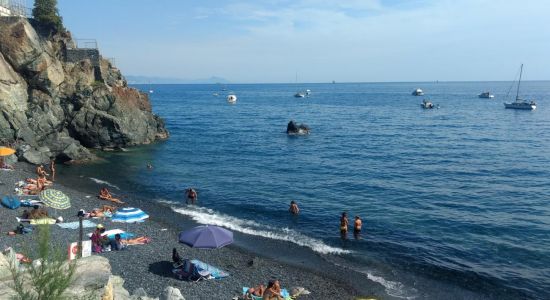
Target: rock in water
(56,97)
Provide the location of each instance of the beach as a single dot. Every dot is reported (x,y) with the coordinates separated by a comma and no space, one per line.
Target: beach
(149,266)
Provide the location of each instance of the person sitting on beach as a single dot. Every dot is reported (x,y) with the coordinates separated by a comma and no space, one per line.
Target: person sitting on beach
(176,259)
(104,194)
(344,224)
(191,195)
(293,209)
(105,211)
(254,291)
(118,243)
(41,172)
(273,291)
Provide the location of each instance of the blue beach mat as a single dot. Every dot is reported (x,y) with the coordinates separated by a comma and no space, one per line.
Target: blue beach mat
(215,272)
(74,225)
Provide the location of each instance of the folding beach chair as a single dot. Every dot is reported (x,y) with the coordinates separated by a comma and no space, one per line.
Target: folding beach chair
(190,272)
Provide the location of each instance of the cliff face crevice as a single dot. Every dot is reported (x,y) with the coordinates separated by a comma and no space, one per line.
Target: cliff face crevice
(56,105)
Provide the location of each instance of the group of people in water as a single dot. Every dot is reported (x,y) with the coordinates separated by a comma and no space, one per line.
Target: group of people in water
(344,222)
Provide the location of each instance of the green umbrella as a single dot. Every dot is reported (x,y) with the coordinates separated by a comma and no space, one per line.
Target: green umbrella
(55,199)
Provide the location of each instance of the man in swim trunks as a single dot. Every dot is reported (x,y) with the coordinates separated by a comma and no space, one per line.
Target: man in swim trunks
(293,209)
(344,225)
(191,195)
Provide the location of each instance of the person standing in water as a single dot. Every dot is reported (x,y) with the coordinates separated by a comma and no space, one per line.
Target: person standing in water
(293,209)
(357,227)
(52,170)
(191,195)
(344,225)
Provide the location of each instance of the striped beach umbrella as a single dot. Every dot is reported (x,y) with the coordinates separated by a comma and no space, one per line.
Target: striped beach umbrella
(129,215)
(55,199)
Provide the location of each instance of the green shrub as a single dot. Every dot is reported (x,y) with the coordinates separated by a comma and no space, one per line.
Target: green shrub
(48,277)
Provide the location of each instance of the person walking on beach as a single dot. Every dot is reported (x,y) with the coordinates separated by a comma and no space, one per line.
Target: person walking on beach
(293,209)
(344,225)
(357,227)
(191,195)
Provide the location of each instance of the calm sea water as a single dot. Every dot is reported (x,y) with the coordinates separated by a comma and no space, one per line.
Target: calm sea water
(455,201)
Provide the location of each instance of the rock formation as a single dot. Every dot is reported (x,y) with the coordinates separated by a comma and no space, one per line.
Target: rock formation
(58,101)
(92,280)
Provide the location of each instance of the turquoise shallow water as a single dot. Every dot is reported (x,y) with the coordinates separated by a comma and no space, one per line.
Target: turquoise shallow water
(455,201)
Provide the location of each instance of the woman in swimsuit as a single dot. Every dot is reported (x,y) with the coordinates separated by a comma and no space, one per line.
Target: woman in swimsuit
(344,225)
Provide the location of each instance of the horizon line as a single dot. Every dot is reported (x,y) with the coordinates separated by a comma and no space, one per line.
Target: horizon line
(343,82)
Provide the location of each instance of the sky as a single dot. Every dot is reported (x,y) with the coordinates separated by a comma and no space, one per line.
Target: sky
(272,41)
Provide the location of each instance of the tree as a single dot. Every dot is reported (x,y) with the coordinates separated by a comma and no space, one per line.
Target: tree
(46,13)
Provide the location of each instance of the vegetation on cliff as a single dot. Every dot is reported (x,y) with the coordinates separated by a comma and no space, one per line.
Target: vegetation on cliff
(46,13)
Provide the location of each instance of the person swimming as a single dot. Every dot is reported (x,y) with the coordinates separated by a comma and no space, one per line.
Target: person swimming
(191,195)
(293,209)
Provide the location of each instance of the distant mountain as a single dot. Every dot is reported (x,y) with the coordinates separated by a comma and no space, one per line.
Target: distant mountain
(167,80)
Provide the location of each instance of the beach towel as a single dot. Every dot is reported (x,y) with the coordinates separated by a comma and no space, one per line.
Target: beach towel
(215,272)
(11,202)
(284,293)
(31,203)
(75,225)
(111,234)
(44,221)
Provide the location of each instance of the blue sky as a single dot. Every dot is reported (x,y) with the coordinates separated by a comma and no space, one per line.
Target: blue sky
(346,41)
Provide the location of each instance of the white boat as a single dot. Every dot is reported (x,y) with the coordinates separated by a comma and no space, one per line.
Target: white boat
(151,91)
(427,104)
(308,93)
(520,103)
(418,92)
(486,95)
(231,98)
(300,95)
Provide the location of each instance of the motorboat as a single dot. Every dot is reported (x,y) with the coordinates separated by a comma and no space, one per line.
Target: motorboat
(427,104)
(231,98)
(418,92)
(308,93)
(486,95)
(521,103)
(300,95)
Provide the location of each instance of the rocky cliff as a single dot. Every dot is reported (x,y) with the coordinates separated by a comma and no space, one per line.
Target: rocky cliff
(57,100)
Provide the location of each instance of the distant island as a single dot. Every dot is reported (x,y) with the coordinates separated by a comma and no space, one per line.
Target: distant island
(167,80)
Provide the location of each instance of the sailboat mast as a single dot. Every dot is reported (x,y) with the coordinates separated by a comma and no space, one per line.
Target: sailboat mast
(519,82)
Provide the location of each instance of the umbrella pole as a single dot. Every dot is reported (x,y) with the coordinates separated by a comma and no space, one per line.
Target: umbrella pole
(80,236)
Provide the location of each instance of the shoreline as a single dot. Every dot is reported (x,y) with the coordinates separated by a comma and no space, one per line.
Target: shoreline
(153,260)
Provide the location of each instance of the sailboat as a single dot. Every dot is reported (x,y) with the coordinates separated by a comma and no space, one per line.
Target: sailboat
(301,94)
(520,103)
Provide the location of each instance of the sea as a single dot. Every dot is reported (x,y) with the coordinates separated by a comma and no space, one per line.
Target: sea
(455,201)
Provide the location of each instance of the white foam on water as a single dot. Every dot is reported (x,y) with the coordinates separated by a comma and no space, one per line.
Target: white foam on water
(210,217)
(99,181)
(393,288)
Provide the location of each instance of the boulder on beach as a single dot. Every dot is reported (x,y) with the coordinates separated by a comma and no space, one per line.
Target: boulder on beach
(293,128)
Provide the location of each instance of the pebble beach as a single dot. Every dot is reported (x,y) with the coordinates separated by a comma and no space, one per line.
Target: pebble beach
(149,266)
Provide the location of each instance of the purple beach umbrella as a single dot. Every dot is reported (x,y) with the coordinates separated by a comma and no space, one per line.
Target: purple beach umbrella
(206,237)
